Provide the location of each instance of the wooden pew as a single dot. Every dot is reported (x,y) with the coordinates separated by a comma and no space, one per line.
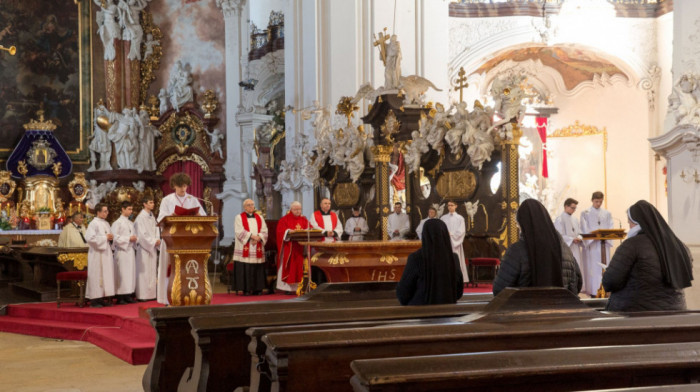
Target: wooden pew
(564,369)
(660,388)
(174,340)
(222,361)
(319,360)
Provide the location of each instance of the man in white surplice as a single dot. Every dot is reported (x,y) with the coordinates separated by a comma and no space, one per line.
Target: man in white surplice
(327,221)
(567,225)
(593,219)
(179,182)
(398,225)
(457,228)
(125,255)
(432,214)
(148,242)
(356,226)
(100,281)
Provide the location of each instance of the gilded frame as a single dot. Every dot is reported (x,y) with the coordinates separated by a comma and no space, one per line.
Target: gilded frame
(78,151)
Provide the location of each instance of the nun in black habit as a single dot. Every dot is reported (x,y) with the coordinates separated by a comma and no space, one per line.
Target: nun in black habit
(540,258)
(651,267)
(432,274)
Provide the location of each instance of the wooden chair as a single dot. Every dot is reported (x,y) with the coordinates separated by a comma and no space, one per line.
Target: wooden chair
(80,277)
(476,263)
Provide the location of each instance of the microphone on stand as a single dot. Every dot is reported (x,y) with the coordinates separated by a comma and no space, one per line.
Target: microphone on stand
(619,222)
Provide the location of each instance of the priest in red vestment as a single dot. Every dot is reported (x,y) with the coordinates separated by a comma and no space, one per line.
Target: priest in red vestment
(290,263)
(327,221)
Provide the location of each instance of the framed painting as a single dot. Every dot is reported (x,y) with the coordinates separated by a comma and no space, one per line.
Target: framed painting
(50,71)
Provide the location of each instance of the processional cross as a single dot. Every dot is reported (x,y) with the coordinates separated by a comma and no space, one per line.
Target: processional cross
(381,42)
(461,82)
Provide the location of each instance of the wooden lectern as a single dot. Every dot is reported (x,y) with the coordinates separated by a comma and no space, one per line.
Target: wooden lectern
(603,235)
(189,240)
(303,235)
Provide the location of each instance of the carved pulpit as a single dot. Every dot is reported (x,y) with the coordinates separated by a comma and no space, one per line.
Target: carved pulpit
(189,240)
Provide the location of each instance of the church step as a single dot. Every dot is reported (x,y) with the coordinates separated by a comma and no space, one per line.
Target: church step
(132,347)
(44,328)
(67,312)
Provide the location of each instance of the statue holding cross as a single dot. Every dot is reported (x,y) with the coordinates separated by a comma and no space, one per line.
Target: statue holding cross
(381,43)
(461,82)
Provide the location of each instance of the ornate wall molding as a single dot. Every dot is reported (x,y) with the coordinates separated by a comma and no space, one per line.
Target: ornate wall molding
(650,84)
(231,7)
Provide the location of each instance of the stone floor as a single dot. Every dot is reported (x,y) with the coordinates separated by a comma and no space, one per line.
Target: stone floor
(34,364)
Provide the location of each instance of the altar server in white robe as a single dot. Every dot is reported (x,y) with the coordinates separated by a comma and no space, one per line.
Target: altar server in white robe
(179,182)
(100,281)
(398,224)
(147,245)
(356,226)
(125,255)
(457,228)
(594,218)
(567,225)
(327,221)
(432,214)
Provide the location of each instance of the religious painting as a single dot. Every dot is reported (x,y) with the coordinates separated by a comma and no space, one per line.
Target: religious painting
(48,72)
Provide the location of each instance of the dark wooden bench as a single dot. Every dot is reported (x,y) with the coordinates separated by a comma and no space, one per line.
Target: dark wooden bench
(556,370)
(659,388)
(174,349)
(319,360)
(222,361)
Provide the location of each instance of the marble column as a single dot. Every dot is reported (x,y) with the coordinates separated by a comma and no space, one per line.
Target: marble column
(235,189)
(249,122)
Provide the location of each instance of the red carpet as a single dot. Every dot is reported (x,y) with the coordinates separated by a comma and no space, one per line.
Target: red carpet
(118,329)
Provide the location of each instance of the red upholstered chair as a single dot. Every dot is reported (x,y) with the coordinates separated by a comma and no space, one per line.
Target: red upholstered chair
(71,276)
(482,262)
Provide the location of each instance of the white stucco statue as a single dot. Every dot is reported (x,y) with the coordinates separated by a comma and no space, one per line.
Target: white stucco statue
(108,27)
(179,89)
(97,192)
(687,109)
(163,97)
(124,133)
(392,70)
(100,144)
(215,139)
(139,185)
(414,88)
(129,11)
(416,149)
(147,134)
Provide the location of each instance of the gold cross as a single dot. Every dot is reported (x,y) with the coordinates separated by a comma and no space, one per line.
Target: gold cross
(381,42)
(461,82)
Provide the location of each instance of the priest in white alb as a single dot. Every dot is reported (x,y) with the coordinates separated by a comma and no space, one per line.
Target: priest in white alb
(73,233)
(594,218)
(100,281)
(432,214)
(249,253)
(125,255)
(148,235)
(457,228)
(567,225)
(398,224)
(327,221)
(180,198)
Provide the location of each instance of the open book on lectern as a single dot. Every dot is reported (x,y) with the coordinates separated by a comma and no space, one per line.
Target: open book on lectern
(303,235)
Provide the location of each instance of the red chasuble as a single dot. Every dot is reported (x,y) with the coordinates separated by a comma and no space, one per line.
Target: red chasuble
(291,254)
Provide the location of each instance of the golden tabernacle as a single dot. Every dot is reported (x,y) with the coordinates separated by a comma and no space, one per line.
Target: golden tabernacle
(359,261)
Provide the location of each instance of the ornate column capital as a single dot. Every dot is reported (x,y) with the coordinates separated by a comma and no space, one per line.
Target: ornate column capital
(231,7)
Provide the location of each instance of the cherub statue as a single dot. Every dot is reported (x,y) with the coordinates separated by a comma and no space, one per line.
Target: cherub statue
(472,208)
(215,138)
(150,44)
(139,186)
(416,149)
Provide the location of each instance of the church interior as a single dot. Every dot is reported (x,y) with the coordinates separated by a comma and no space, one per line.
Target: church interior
(384,107)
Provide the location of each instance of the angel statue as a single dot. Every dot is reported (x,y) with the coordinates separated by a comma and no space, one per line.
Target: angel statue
(129,11)
(471,208)
(108,27)
(179,87)
(215,138)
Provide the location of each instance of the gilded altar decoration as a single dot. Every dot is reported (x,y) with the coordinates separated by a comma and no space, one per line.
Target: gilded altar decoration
(176,158)
(152,54)
(79,259)
(346,194)
(456,184)
(388,258)
(7,186)
(22,168)
(56,169)
(182,132)
(12,50)
(208,205)
(41,155)
(78,187)
(210,103)
(347,108)
(41,191)
(391,126)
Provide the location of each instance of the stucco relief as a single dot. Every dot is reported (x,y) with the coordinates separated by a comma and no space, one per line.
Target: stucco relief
(691,50)
(268,72)
(464,33)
